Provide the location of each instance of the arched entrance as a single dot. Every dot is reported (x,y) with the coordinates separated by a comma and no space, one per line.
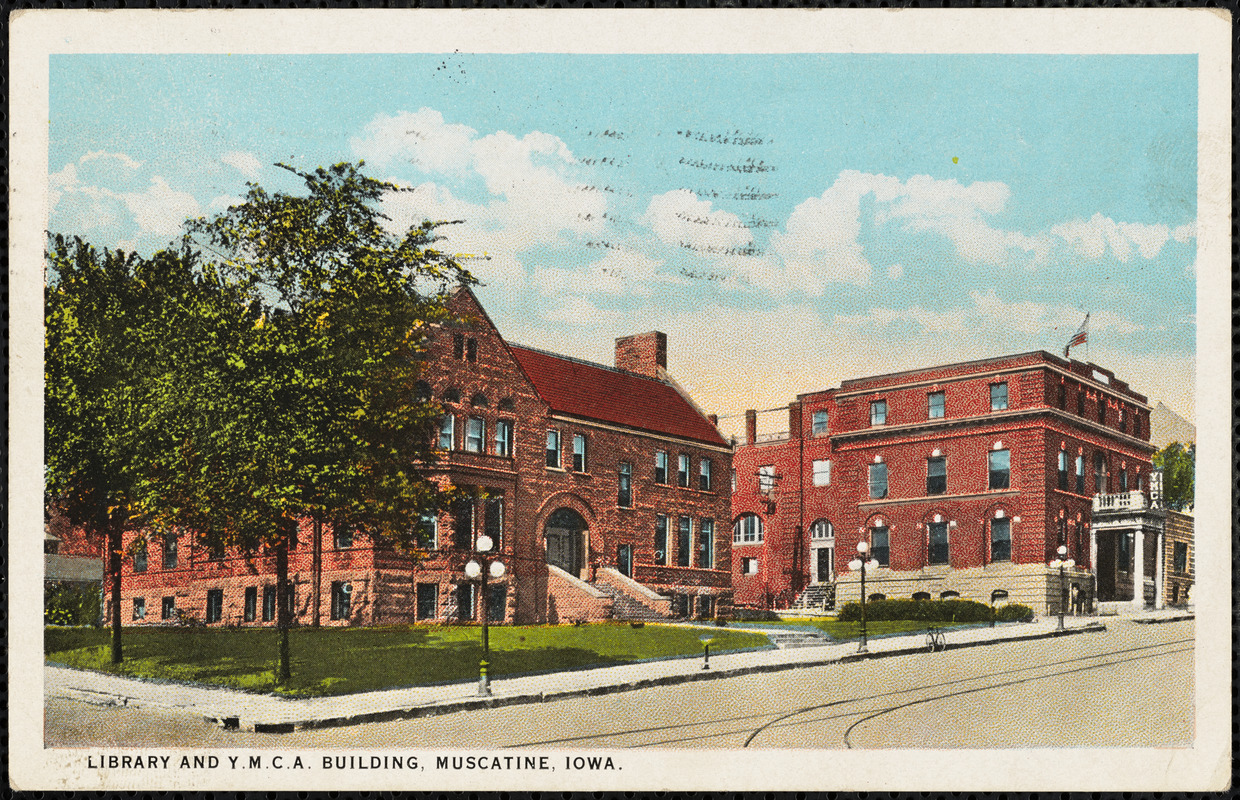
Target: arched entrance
(564,533)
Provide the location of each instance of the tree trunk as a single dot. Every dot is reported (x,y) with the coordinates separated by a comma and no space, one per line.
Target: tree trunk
(283,673)
(114,572)
(317,571)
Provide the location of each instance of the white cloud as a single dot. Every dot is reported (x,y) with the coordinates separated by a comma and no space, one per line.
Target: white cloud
(1095,237)
(161,209)
(245,163)
(421,138)
(225,202)
(125,160)
(895,271)
(619,273)
(1185,233)
(680,219)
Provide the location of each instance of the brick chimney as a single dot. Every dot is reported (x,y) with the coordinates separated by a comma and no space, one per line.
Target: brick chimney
(751,426)
(643,353)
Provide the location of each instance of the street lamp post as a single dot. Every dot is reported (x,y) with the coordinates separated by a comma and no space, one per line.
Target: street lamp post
(478,569)
(1061,564)
(706,639)
(862,563)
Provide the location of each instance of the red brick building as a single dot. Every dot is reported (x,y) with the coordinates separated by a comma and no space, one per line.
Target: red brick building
(604,490)
(963,479)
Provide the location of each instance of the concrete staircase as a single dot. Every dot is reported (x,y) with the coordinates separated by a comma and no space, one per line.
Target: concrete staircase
(816,596)
(625,608)
(788,639)
(631,601)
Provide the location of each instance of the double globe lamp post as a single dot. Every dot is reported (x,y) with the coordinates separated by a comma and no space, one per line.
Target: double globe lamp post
(862,563)
(479,568)
(1062,564)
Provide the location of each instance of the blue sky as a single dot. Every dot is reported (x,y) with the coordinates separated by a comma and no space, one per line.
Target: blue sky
(789,221)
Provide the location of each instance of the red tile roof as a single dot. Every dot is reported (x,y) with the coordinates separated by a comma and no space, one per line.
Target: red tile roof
(581,389)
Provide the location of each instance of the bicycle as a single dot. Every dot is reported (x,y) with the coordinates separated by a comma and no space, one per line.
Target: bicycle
(935,641)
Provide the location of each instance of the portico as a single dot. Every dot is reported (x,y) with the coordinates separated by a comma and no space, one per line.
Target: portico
(1126,546)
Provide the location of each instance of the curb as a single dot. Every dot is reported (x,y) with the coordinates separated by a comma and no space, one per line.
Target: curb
(1162,620)
(475,704)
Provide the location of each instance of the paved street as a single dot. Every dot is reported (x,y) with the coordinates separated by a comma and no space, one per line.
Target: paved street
(994,696)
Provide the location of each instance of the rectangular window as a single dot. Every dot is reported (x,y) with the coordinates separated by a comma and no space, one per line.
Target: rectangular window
(447,432)
(1123,420)
(880,545)
(1080,474)
(819,427)
(624,485)
(822,472)
(660,466)
(751,566)
(139,559)
(936,475)
(139,608)
(938,543)
(471,349)
(170,551)
(1123,480)
(706,544)
(684,541)
(493,520)
(704,468)
(878,412)
(1102,410)
(1000,469)
(167,608)
(458,345)
(998,396)
(1063,470)
(579,452)
(624,559)
(463,524)
(215,605)
(936,405)
(878,481)
(342,537)
(251,603)
(269,603)
(428,531)
(465,601)
(660,539)
(340,599)
(682,471)
(733,481)
(553,449)
(1100,473)
(428,600)
(1001,539)
(503,438)
(766,479)
(1080,401)
(497,603)
(475,434)
(1179,557)
(1063,396)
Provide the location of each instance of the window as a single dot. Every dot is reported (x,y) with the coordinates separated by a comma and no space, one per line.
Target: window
(684,541)
(452,395)
(1123,420)
(493,519)
(660,466)
(1179,557)
(341,591)
(624,559)
(706,544)
(880,545)
(704,474)
(935,405)
(428,530)
(660,539)
(1080,401)
(342,537)
(465,601)
(269,603)
(1063,396)
(878,412)
(139,559)
(579,452)
(1063,469)
(682,470)
(766,479)
(458,346)
(733,481)
(553,449)
(1080,474)
(822,472)
(938,543)
(878,481)
(1001,539)
(447,431)
(821,529)
(819,425)
(1123,480)
(428,600)
(471,349)
(170,551)
(1102,410)
(139,608)
(479,400)
(475,434)
(624,485)
(463,524)
(747,530)
(750,566)
(497,603)
(251,603)
(936,475)
(1000,469)
(503,438)
(215,605)
(421,391)
(998,396)
(167,608)
(1100,473)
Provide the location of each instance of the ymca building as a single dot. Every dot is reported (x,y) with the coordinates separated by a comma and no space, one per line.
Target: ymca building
(962,479)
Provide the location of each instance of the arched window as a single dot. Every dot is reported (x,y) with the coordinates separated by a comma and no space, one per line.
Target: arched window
(821,530)
(479,400)
(452,395)
(747,530)
(506,404)
(422,391)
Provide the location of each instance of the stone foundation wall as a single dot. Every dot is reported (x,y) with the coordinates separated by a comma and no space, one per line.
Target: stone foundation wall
(1034,585)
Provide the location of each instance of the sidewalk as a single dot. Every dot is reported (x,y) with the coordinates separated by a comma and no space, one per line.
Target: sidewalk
(266,713)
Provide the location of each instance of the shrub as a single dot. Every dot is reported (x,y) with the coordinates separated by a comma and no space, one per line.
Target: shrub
(922,610)
(1014,612)
(71,604)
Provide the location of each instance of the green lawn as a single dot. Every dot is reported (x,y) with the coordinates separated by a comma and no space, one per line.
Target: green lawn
(345,660)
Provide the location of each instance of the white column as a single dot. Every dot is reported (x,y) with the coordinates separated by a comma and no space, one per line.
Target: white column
(1093,557)
(1138,568)
(1160,558)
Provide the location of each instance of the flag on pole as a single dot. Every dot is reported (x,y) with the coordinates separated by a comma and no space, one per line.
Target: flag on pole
(1080,337)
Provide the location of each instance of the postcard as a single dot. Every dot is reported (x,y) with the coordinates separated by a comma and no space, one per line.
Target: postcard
(743,400)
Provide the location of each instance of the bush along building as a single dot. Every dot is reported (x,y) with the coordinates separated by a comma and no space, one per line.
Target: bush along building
(598,486)
(963,479)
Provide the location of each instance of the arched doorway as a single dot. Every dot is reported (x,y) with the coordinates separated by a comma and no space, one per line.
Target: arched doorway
(564,533)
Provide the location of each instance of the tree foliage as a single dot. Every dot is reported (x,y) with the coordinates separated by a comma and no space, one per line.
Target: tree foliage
(1178,464)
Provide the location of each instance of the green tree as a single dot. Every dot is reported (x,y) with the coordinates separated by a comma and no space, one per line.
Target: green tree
(1178,464)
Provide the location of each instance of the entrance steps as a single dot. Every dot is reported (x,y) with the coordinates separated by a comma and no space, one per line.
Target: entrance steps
(631,601)
(816,596)
(787,640)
